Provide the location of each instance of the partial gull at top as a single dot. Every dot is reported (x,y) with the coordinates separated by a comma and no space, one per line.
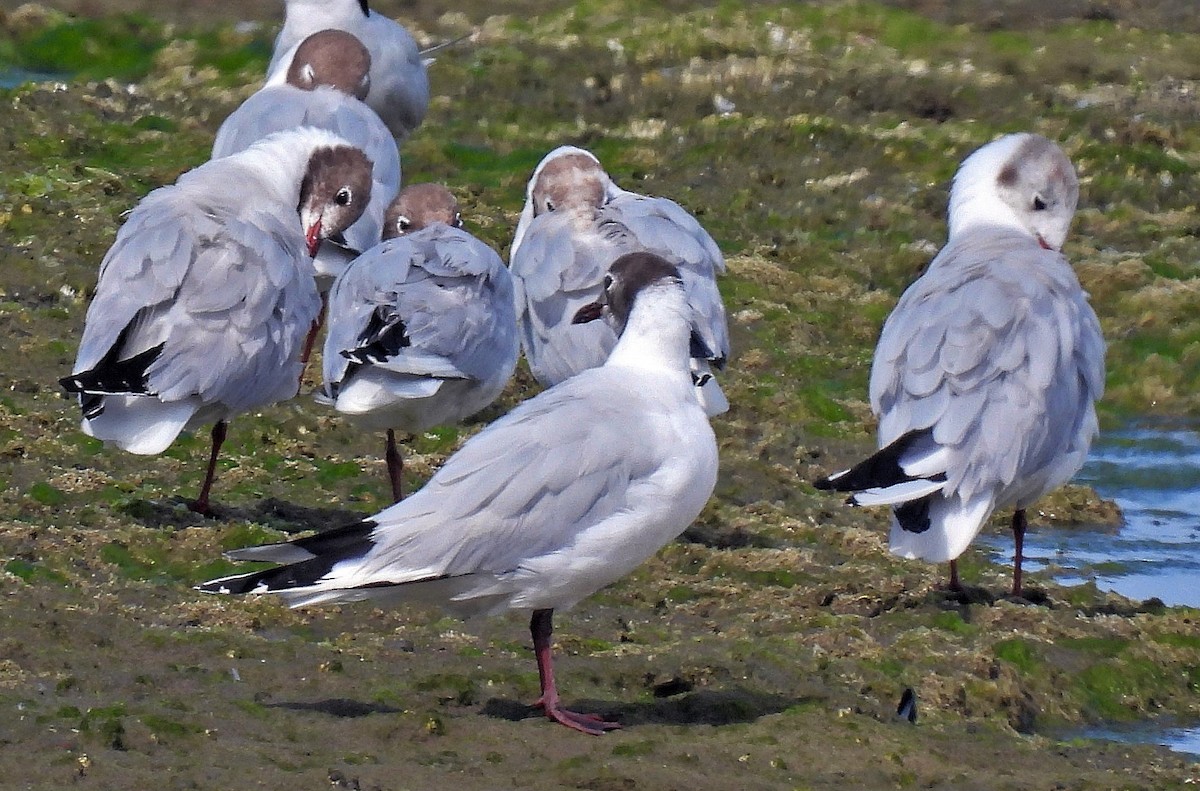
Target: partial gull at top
(575,223)
(987,372)
(205,298)
(422,330)
(399,90)
(323,87)
(565,494)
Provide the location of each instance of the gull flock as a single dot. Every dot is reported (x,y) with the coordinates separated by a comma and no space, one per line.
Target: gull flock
(217,287)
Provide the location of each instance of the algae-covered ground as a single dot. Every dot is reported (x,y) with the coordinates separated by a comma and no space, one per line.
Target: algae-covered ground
(768,647)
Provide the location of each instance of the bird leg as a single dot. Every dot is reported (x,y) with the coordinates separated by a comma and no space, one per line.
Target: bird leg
(954,584)
(200,504)
(395,465)
(541,627)
(311,340)
(1018,527)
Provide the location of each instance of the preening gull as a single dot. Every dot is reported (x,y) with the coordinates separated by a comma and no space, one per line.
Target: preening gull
(575,223)
(399,90)
(987,372)
(206,296)
(422,330)
(323,87)
(567,493)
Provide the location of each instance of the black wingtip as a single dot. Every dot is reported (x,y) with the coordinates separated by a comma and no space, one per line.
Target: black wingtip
(881,469)
(328,549)
(113,376)
(907,710)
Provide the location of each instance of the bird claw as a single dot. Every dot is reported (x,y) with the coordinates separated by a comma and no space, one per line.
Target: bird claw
(591,724)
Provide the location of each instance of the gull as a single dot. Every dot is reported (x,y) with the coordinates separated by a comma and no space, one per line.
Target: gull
(205,298)
(399,90)
(987,372)
(422,330)
(575,223)
(323,86)
(565,494)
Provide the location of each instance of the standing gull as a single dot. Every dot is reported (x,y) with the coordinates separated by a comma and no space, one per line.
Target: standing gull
(399,83)
(422,330)
(575,223)
(323,87)
(204,300)
(565,494)
(987,372)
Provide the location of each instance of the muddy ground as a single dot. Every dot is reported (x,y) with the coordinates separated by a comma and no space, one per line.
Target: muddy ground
(767,648)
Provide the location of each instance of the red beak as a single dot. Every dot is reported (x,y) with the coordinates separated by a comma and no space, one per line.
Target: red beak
(312,238)
(1041,241)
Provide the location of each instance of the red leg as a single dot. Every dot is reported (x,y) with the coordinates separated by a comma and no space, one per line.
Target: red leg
(312,335)
(200,505)
(541,627)
(395,465)
(954,585)
(1018,527)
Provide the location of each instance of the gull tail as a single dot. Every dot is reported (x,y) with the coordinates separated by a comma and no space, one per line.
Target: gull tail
(906,475)
(307,560)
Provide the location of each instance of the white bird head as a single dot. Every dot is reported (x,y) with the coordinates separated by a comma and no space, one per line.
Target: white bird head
(333,193)
(419,206)
(1021,181)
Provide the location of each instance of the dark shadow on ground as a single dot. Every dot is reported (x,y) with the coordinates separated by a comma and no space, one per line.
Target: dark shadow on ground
(337,707)
(707,707)
(272,512)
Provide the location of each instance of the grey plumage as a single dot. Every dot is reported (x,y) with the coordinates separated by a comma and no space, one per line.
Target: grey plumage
(399,90)
(280,105)
(212,294)
(422,329)
(453,296)
(562,248)
(987,371)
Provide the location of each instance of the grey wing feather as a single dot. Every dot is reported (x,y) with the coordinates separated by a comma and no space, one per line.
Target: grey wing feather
(369,283)
(664,227)
(554,277)
(457,304)
(997,350)
(229,297)
(500,520)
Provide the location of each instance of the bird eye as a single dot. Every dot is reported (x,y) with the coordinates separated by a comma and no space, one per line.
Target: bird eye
(1038,203)
(608,281)
(403,223)
(549,205)
(343,196)
(457,219)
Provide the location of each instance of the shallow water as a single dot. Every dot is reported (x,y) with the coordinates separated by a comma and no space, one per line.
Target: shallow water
(1154,476)
(11,77)
(1181,740)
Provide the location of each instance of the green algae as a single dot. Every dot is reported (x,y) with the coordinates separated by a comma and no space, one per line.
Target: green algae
(826,186)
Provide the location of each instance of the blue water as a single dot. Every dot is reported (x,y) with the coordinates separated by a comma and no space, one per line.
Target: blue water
(11,77)
(1153,474)
(1181,740)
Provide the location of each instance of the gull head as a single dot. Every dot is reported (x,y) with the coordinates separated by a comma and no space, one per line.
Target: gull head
(419,206)
(1022,181)
(570,181)
(629,276)
(333,193)
(333,58)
